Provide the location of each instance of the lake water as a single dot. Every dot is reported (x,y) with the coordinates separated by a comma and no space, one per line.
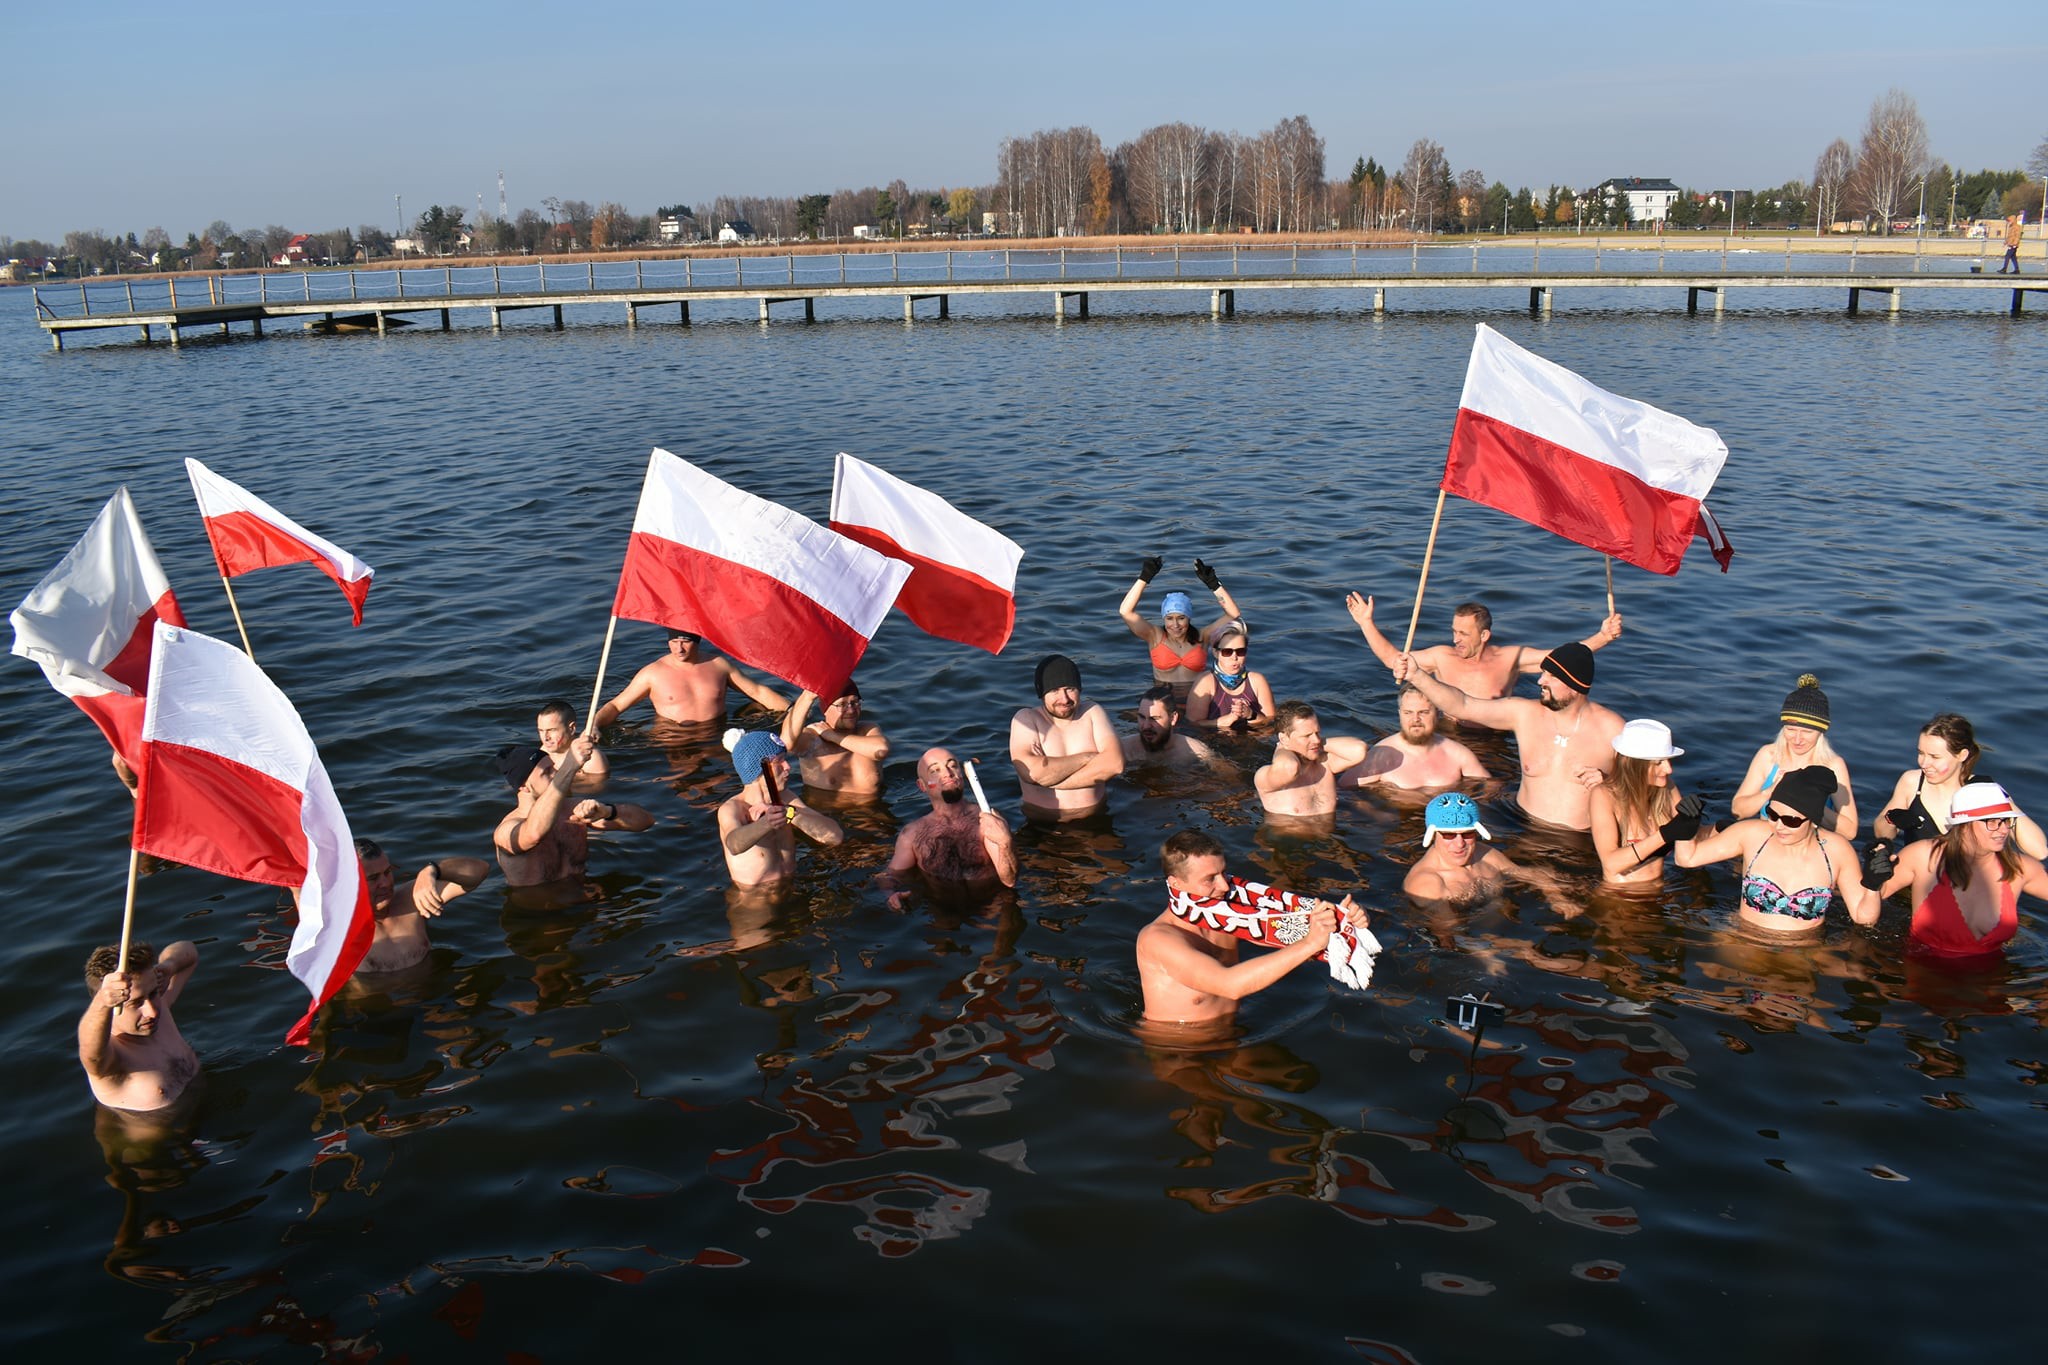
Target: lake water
(863,1133)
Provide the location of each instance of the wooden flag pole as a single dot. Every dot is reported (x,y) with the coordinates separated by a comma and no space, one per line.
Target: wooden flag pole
(597,690)
(237,610)
(1416,615)
(1610,584)
(128,909)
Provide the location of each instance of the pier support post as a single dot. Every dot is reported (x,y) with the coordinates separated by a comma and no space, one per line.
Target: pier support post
(173,331)
(1895,301)
(558,317)
(764,310)
(256,327)
(1223,303)
(145,334)
(1379,302)
(909,308)
(1720,301)
(810,309)
(57,337)
(1692,299)
(497,318)
(444,319)
(2018,301)
(686,312)
(1082,298)
(380,322)
(946,300)
(632,315)
(224,329)
(1855,300)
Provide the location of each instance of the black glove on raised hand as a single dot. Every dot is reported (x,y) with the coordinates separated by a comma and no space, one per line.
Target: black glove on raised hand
(1878,865)
(1149,570)
(1686,823)
(1208,576)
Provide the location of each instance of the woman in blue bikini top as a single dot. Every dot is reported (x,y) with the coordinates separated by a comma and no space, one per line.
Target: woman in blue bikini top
(1790,846)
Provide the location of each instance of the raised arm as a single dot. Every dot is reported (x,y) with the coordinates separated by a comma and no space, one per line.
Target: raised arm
(635,692)
(623,815)
(759,693)
(794,738)
(1139,626)
(1496,713)
(1223,600)
(525,834)
(1361,613)
(176,963)
(443,880)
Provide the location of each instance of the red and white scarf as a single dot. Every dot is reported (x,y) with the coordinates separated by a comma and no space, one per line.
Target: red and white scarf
(1272,917)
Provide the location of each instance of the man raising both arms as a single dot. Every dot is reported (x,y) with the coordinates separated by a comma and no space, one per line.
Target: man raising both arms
(133,1055)
(1472,663)
(958,849)
(1566,741)
(687,685)
(1064,749)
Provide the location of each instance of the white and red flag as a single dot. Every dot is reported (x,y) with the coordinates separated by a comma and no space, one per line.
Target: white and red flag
(963,574)
(88,623)
(1538,442)
(247,534)
(768,587)
(231,783)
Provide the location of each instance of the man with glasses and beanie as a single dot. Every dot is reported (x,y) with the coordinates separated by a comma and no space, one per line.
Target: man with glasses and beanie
(1453,867)
(687,685)
(1565,741)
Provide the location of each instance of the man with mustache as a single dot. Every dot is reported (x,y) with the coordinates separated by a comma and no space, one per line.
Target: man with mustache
(957,849)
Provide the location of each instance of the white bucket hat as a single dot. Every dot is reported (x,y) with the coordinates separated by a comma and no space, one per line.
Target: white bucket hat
(1647,739)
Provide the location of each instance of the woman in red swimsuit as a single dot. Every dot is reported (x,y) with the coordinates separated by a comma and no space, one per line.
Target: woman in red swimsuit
(1966,883)
(1179,655)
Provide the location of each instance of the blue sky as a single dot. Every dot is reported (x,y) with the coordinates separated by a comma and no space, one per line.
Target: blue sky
(318,123)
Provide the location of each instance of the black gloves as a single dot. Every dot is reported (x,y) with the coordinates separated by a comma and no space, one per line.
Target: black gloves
(1878,864)
(1208,576)
(1906,824)
(1685,824)
(1149,570)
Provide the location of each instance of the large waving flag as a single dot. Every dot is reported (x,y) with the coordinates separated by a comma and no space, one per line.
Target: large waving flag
(88,623)
(769,587)
(247,533)
(963,574)
(231,783)
(1538,442)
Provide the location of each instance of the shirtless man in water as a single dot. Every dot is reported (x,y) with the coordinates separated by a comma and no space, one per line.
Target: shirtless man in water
(956,848)
(133,1055)
(841,751)
(1566,741)
(1472,663)
(1159,739)
(555,726)
(1302,778)
(1417,758)
(1064,750)
(1454,868)
(688,684)
(1191,974)
(401,915)
(758,828)
(545,838)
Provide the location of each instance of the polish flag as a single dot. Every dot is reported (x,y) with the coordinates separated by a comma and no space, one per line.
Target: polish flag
(1710,531)
(247,533)
(88,623)
(1538,442)
(231,783)
(963,575)
(768,587)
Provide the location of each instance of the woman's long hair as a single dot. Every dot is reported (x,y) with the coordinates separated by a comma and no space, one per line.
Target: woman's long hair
(1960,736)
(1955,864)
(1638,801)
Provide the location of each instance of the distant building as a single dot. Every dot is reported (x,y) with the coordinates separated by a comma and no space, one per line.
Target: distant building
(294,252)
(738,230)
(863,232)
(672,230)
(1648,200)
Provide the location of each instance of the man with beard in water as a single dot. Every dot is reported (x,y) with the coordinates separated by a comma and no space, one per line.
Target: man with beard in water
(1472,663)
(1454,868)
(1065,751)
(957,849)
(1417,757)
(1566,741)
(1158,740)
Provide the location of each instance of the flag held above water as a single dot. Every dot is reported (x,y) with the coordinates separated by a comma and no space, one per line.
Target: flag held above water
(247,534)
(1540,443)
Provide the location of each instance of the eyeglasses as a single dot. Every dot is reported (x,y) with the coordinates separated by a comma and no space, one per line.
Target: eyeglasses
(1999,821)
(1788,821)
(1230,653)
(1457,834)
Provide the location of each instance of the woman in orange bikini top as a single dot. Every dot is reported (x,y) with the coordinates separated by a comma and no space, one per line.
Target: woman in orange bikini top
(1178,654)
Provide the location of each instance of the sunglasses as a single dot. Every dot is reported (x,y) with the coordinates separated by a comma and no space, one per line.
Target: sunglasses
(1788,821)
(1228,652)
(1457,834)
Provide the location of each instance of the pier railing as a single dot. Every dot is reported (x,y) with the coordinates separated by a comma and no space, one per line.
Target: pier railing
(1219,263)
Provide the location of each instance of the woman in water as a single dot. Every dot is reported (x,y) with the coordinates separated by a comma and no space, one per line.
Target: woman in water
(1918,808)
(1637,813)
(1794,869)
(1179,655)
(1802,741)
(1230,696)
(1966,884)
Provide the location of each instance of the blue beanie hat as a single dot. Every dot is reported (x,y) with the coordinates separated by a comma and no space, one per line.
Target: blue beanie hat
(752,750)
(1452,811)
(1176,604)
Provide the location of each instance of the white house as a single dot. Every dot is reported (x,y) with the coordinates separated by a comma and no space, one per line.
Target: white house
(738,230)
(1649,201)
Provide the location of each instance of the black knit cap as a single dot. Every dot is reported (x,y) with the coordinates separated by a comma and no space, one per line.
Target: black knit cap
(1806,704)
(1806,790)
(1054,672)
(1572,665)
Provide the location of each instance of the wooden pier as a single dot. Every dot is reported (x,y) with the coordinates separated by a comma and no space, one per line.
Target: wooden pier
(384,298)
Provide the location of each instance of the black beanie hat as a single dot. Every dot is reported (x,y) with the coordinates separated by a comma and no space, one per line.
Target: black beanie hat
(1806,704)
(1572,665)
(1806,790)
(1054,672)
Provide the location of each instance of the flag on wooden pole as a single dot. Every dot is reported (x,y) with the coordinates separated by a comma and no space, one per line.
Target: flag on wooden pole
(247,533)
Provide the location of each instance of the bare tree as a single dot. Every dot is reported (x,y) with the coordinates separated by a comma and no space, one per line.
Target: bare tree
(1893,155)
(1830,183)
(2037,161)
(1421,181)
